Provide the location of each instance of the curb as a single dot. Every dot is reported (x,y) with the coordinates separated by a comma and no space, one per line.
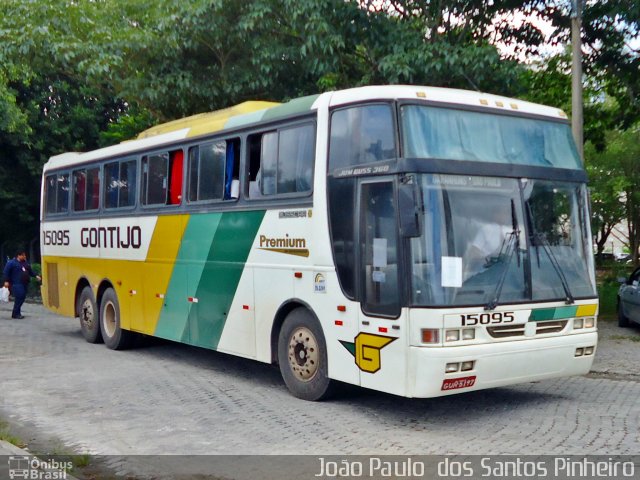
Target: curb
(9,450)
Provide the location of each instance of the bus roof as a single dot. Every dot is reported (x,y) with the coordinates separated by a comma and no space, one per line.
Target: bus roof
(251,112)
(450,96)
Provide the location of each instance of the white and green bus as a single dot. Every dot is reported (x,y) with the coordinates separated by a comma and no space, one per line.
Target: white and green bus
(413,240)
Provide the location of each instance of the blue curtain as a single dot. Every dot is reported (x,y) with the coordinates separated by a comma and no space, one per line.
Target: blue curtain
(228,173)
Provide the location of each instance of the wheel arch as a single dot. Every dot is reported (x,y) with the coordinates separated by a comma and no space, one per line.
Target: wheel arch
(104,285)
(283,311)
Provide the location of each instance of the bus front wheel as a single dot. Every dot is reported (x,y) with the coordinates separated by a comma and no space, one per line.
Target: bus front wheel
(88,314)
(302,355)
(113,335)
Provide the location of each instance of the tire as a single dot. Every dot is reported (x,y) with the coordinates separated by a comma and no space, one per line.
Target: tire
(88,315)
(113,335)
(302,356)
(623,321)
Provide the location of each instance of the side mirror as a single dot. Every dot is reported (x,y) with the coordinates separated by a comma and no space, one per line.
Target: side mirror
(409,207)
(621,280)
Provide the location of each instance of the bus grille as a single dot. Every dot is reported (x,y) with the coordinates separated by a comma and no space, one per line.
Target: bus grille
(506,331)
(550,327)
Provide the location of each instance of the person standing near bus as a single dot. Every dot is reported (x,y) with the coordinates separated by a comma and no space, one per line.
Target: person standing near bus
(17,273)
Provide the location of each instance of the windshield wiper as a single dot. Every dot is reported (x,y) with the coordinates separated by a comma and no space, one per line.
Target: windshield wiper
(513,245)
(541,239)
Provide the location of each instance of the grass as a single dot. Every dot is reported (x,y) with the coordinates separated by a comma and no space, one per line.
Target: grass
(634,338)
(608,294)
(607,275)
(7,436)
(78,461)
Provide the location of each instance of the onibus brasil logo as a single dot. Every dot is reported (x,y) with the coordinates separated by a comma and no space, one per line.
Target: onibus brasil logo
(366,350)
(30,467)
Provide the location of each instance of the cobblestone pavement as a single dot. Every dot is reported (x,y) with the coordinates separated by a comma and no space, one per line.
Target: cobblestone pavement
(166,398)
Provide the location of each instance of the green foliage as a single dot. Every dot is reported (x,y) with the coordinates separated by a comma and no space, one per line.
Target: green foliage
(616,185)
(79,75)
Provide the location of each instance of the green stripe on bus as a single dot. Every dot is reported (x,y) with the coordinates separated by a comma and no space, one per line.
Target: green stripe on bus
(298,105)
(187,270)
(542,314)
(245,119)
(217,287)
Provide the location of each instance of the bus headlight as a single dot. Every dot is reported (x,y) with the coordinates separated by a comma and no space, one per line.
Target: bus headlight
(452,335)
(452,367)
(589,322)
(466,366)
(468,333)
(578,323)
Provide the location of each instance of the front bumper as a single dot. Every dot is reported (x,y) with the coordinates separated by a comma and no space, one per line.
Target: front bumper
(497,364)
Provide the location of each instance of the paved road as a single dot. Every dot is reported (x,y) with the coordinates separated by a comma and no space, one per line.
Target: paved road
(166,398)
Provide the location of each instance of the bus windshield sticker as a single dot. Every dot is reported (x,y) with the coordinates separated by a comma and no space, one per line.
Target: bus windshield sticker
(379,252)
(467,181)
(452,272)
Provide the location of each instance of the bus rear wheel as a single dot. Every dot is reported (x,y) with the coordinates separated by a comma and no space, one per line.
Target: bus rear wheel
(88,314)
(113,335)
(302,356)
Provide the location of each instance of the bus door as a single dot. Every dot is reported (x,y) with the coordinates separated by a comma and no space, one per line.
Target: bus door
(380,345)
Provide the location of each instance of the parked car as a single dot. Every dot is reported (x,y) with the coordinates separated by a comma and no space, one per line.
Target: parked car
(623,257)
(629,300)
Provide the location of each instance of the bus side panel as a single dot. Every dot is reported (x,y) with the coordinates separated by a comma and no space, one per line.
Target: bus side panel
(163,266)
(319,288)
(55,290)
(273,287)
(213,254)
(186,269)
(217,286)
(239,334)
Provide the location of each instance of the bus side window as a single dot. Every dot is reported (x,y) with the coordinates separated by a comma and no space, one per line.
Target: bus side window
(93,189)
(214,171)
(269,163)
(79,190)
(120,184)
(281,162)
(57,193)
(155,175)
(254,147)
(86,189)
(361,135)
(175,177)
(232,170)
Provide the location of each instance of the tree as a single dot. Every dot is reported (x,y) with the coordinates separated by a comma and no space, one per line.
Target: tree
(616,186)
(607,184)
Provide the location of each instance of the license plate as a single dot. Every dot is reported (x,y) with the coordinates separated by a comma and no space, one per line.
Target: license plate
(453,383)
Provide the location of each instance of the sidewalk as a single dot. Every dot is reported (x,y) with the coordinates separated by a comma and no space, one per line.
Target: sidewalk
(617,358)
(29,462)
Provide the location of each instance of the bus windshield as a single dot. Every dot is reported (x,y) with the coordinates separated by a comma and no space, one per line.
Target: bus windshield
(492,240)
(435,132)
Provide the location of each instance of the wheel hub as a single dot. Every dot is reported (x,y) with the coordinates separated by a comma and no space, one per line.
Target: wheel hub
(303,353)
(87,313)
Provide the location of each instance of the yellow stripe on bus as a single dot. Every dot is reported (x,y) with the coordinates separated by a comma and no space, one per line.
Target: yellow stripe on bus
(586,310)
(158,267)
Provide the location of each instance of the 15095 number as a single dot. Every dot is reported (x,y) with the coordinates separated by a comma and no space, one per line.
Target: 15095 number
(55,237)
(472,319)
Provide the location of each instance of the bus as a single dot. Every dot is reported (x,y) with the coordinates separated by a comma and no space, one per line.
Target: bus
(412,240)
